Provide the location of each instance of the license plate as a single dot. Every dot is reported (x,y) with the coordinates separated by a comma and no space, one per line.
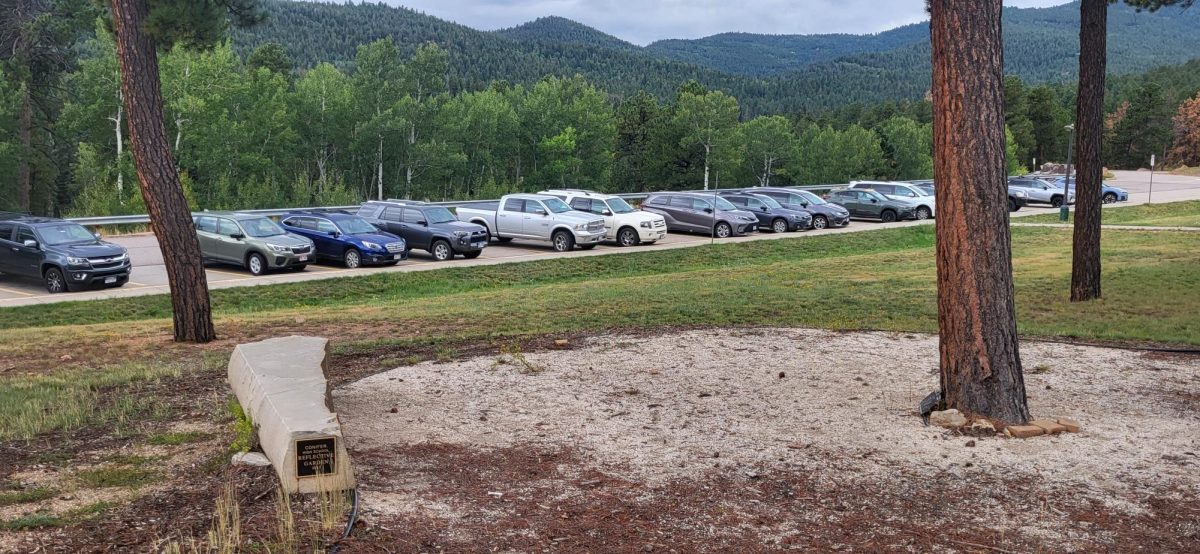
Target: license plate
(302,258)
(110,280)
(478,244)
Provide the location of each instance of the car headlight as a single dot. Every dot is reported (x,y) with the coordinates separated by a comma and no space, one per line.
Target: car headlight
(1019,193)
(278,248)
(371,245)
(77,261)
(462,234)
(581,226)
(645,224)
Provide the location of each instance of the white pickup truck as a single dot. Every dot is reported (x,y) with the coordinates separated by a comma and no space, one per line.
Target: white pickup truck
(536,217)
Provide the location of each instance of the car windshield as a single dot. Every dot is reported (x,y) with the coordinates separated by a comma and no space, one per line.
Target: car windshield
(356,226)
(260,227)
(619,206)
(810,197)
(723,204)
(927,189)
(921,191)
(557,206)
(65,233)
(438,215)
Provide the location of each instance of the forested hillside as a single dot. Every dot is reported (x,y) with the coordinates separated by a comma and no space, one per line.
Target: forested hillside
(769,73)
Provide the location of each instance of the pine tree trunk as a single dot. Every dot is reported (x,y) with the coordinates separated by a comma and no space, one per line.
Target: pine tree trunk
(1089,172)
(980,363)
(160,186)
(25,163)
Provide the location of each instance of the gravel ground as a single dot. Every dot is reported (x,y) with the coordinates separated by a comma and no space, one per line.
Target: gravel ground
(835,410)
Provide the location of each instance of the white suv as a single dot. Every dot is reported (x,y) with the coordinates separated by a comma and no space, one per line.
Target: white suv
(627,226)
(921,198)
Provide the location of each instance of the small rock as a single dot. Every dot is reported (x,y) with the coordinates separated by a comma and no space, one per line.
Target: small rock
(560,342)
(981,428)
(1071,425)
(1024,431)
(950,419)
(782,375)
(394,410)
(648,548)
(971,444)
(65,358)
(254,459)
(1048,426)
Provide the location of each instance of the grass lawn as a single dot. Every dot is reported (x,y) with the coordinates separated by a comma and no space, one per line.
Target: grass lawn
(1173,214)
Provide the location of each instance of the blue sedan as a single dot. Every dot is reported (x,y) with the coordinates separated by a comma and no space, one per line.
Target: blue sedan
(347,238)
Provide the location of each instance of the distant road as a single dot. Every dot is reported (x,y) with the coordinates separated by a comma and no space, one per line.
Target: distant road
(150,276)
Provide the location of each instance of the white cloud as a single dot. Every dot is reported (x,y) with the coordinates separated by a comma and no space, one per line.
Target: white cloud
(644,21)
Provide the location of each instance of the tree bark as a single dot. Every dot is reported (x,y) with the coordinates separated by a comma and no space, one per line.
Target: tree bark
(1089,129)
(980,362)
(25,161)
(169,215)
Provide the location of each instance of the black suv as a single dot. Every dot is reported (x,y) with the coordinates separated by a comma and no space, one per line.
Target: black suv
(824,214)
(771,215)
(428,227)
(64,255)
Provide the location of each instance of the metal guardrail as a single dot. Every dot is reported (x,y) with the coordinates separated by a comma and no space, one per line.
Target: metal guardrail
(143,219)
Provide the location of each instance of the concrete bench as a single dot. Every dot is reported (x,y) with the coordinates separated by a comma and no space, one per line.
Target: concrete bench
(281,386)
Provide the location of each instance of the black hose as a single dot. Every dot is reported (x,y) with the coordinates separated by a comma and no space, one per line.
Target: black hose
(333,548)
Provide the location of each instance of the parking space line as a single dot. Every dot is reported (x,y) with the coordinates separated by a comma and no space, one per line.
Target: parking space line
(14,291)
(229,273)
(323,268)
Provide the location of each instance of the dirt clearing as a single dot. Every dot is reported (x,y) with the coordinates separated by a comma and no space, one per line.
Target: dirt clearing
(765,439)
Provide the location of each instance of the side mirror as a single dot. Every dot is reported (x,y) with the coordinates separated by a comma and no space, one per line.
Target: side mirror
(334,233)
(874,201)
(31,244)
(97,235)
(708,210)
(764,208)
(607,212)
(237,236)
(423,223)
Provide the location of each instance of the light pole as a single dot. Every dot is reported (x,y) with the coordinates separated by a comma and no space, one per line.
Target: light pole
(1065,210)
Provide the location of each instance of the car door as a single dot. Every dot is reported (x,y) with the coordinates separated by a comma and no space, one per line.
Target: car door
(869,205)
(510,217)
(756,207)
(848,200)
(536,220)
(206,234)
(703,215)
(416,225)
(227,248)
(26,260)
(8,248)
(326,238)
(680,208)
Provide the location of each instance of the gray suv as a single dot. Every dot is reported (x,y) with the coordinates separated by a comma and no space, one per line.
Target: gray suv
(694,213)
(771,215)
(430,228)
(868,204)
(252,241)
(824,214)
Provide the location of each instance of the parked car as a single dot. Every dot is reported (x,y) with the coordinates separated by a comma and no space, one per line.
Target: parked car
(1041,191)
(536,217)
(1017,197)
(622,223)
(771,214)
(695,213)
(1108,194)
(346,238)
(251,241)
(433,229)
(868,204)
(925,202)
(824,214)
(64,255)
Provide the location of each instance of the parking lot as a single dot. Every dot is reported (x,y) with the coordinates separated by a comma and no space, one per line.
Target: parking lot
(150,277)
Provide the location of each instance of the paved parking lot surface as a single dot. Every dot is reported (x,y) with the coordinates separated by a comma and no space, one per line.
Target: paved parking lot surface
(150,276)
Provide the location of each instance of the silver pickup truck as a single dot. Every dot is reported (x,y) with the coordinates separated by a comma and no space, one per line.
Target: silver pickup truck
(536,217)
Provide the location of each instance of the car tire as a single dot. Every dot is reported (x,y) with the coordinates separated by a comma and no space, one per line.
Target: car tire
(299,268)
(627,236)
(887,216)
(1012,205)
(723,230)
(923,213)
(472,255)
(1056,201)
(563,241)
(1110,198)
(256,263)
(780,225)
(56,282)
(352,259)
(820,222)
(441,251)
(586,246)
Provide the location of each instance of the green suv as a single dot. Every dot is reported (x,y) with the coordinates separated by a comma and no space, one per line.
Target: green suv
(252,241)
(869,204)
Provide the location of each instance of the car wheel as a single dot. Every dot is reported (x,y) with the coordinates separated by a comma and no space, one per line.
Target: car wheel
(256,264)
(472,255)
(55,282)
(779,226)
(628,237)
(1110,198)
(723,230)
(1056,201)
(586,246)
(820,222)
(352,259)
(923,213)
(888,216)
(441,251)
(1012,205)
(563,241)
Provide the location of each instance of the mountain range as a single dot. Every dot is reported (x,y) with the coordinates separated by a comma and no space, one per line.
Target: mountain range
(768,73)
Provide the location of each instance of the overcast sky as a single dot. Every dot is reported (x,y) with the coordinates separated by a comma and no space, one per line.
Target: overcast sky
(644,21)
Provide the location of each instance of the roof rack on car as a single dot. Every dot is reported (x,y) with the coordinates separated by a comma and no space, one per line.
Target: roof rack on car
(403,201)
